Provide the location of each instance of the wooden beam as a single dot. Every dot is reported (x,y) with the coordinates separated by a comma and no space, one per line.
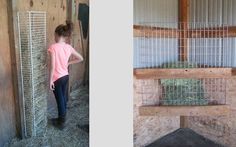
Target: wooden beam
(183,41)
(219,32)
(232,31)
(184,12)
(15,65)
(183,122)
(157,32)
(216,110)
(183,26)
(160,73)
(69,9)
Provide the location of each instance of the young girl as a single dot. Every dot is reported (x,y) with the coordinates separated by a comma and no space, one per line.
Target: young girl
(60,53)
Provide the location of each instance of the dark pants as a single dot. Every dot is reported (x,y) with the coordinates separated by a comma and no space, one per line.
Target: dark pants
(61,95)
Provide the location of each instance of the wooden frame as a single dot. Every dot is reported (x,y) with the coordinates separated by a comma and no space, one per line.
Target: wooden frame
(16,77)
(216,110)
(183,19)
(160,73)
(141,31)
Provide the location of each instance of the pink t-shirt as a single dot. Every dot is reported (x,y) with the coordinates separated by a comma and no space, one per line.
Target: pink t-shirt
(61,52)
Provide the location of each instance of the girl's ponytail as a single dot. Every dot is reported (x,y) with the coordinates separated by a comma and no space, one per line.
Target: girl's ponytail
(69,25)
(64,30)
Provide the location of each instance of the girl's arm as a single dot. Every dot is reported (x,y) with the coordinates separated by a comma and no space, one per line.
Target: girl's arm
(78,59)
(52,70)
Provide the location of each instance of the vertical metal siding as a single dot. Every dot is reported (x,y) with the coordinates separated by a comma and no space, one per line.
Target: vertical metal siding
(211,13)
(153,11)
(159,13)
(219,13)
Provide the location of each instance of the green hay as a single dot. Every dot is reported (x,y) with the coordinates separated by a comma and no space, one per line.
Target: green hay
(182,91)
(179,64)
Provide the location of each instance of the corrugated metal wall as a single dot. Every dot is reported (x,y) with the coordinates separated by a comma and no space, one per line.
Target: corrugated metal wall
(220,11)
(164,13)
(158,13)
(154,11)
(215,13)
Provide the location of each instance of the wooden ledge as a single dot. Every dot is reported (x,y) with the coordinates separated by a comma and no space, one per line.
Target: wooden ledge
(216,110)
(160,73)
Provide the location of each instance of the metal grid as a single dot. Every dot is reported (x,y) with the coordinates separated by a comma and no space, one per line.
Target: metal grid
(181,92)
(158,47)
(202,45)
(160,41)
(32,45)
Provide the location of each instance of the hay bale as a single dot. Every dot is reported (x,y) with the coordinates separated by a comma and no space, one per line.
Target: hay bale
(182,91)
(179,64)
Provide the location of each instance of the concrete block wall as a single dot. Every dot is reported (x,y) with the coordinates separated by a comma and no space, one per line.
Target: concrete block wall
(149,128)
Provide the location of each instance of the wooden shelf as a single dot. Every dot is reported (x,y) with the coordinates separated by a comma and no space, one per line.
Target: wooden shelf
(160,73)
(216,110)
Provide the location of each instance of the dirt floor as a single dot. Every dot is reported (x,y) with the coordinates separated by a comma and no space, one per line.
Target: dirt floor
(77,126)
(183,138)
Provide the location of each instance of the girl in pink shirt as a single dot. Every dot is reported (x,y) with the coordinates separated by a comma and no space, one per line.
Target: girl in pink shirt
(60,53)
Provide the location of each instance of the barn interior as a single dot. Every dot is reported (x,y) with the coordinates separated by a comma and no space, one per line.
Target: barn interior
(184,72)
(26,31)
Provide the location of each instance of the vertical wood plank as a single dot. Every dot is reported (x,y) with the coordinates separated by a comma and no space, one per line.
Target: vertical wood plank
(11,16)
(7,103)
(183,41)
(183,26)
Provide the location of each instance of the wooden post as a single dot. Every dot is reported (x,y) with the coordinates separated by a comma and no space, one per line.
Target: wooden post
(183,27)
(11,10)
(69,8)
(183,41)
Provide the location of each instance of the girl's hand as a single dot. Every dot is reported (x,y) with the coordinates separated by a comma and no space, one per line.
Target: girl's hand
(52,87)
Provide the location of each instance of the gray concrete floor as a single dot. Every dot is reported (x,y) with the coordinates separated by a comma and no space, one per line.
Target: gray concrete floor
(183,138)
(77,126)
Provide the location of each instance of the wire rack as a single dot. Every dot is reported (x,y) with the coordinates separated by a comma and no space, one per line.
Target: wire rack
(183,92)
(181,46)
(199,45)
(32,44)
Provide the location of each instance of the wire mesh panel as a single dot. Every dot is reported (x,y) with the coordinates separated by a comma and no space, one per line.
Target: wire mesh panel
(200,45)
(32,40)
(182,92)
(190,45)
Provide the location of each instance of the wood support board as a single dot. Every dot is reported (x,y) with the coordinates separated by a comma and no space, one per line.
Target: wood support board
(158,32)
(183,25)
(160,73)
(14,65)
(216,110)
